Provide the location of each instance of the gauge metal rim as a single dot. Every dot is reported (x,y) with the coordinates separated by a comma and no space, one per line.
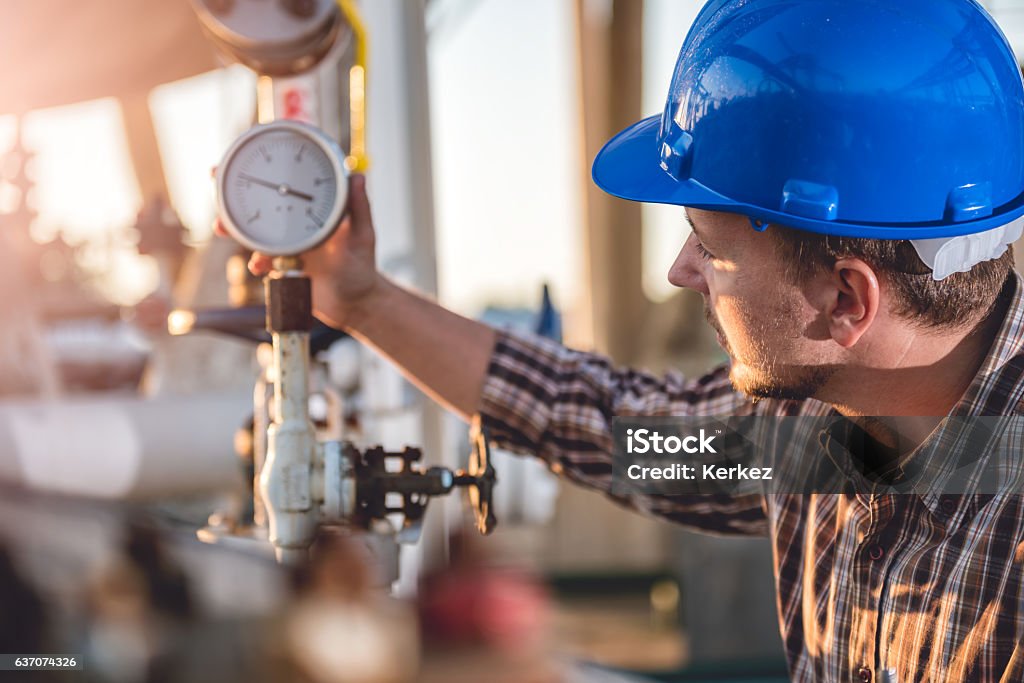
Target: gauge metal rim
(334,155)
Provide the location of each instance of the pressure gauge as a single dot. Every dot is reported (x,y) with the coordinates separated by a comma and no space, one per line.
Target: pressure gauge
(281,188)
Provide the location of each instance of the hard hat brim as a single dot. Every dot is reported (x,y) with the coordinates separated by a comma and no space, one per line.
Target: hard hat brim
(629,167)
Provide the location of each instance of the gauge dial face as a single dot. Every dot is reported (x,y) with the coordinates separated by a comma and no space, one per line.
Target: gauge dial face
(281,188)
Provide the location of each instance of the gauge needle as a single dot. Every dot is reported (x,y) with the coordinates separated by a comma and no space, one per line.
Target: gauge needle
(280,187)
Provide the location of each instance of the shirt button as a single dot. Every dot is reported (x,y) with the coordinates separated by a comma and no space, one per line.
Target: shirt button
(876,553)
(948,506)
(864,674)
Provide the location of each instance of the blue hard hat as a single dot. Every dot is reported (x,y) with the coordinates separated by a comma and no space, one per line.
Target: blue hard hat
(895,119)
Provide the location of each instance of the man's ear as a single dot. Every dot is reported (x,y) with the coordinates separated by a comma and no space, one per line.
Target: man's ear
(854,302)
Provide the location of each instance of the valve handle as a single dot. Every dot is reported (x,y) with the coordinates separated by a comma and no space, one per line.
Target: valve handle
(245,322)
(480,479)
(375,479)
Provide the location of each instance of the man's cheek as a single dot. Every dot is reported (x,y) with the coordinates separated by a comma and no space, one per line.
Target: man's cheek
(735,327)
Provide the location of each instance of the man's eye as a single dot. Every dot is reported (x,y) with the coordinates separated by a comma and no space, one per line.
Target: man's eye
(704,253)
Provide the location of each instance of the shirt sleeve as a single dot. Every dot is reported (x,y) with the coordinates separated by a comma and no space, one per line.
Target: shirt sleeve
(541,398)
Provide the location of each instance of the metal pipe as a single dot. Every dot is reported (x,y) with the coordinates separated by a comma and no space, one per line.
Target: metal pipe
(285,481)
(123,448)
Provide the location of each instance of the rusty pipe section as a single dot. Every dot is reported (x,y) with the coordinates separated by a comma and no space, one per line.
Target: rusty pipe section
(286,479)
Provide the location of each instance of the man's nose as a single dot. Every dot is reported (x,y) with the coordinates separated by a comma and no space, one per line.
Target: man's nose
(687,270)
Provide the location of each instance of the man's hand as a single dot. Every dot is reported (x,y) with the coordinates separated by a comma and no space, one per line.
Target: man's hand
(344,268)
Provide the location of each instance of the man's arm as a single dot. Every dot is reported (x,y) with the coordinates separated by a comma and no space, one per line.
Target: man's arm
(539,398)
(543,399)
(441,352)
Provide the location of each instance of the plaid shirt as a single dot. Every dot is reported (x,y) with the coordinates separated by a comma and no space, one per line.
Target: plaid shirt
(926,587)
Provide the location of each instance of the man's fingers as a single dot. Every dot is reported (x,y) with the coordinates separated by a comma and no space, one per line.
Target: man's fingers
(219,229)
(260,264)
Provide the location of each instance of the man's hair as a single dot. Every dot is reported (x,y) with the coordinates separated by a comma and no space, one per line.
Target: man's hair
(959,300)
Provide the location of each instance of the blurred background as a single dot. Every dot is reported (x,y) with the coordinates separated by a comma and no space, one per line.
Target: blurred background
(121,435)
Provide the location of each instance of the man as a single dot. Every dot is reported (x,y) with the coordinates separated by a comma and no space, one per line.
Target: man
(853,171)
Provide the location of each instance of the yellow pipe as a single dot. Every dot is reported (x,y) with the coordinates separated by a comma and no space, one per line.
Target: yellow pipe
(357,161)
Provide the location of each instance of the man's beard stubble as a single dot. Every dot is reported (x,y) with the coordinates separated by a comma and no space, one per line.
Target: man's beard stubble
(765,379)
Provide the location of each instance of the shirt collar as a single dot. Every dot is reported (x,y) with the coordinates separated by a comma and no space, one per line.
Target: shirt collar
(992,392)
(950,472)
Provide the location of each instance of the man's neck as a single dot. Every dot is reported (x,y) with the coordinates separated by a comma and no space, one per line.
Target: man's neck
(900,405)
(925,374)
